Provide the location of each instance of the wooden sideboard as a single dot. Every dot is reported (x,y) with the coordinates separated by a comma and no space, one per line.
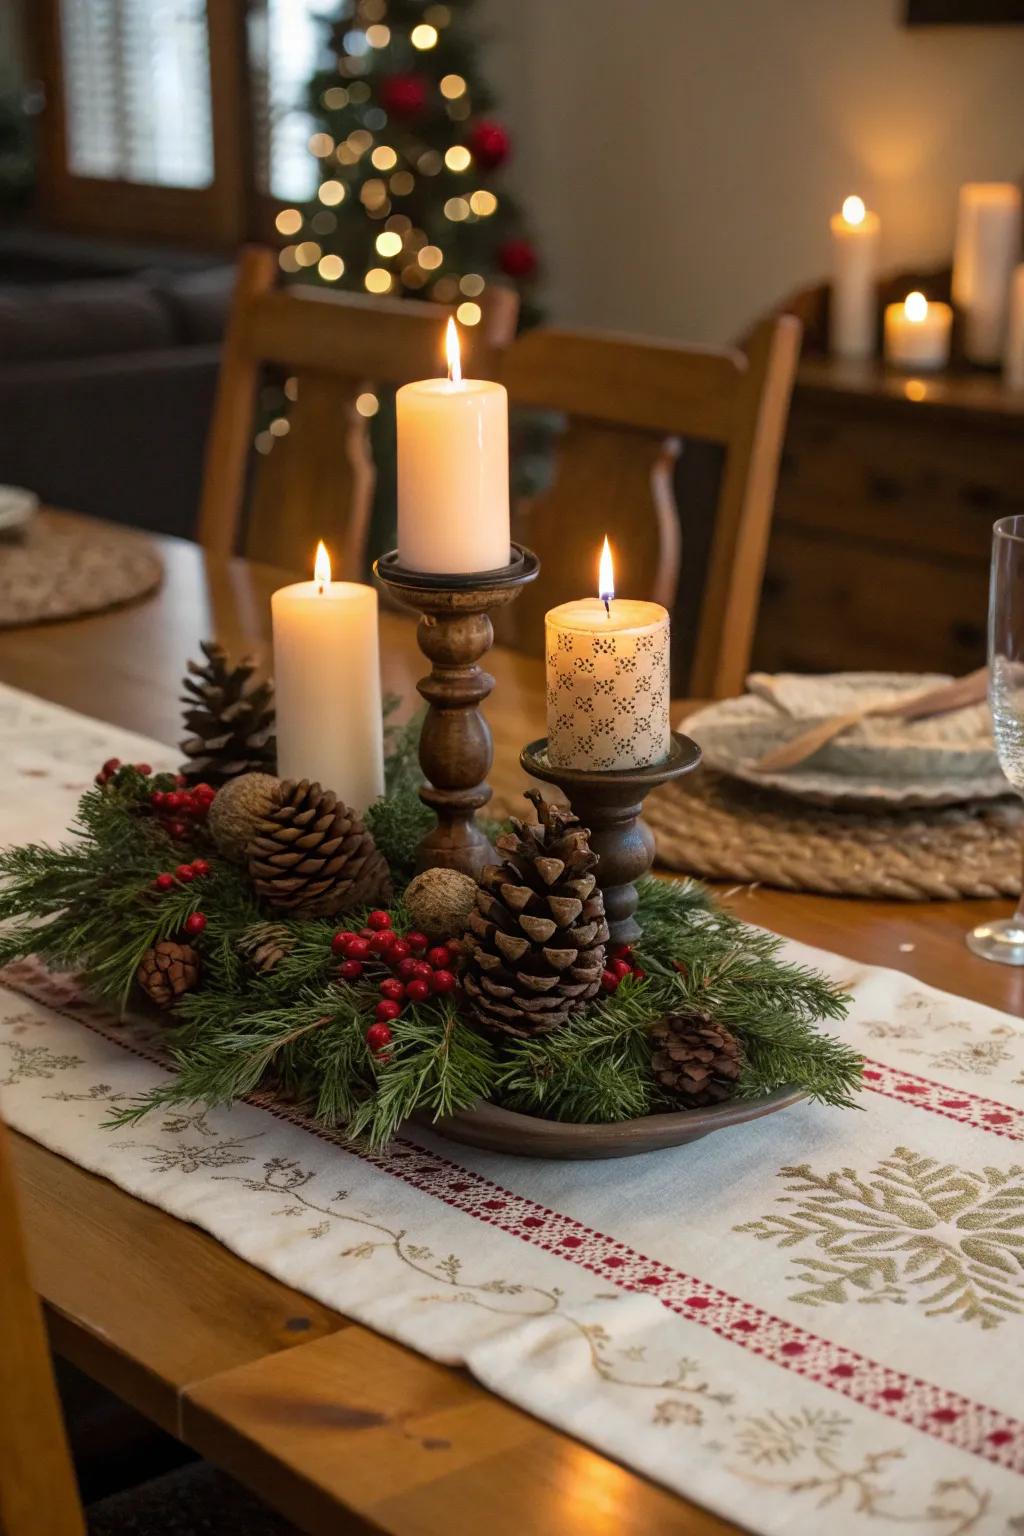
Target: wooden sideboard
(888,490)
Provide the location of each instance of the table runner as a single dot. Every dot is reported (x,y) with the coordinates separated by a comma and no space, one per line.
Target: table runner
(815,1316)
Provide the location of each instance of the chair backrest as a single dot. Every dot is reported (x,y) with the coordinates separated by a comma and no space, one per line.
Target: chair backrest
(38,1494)
(628,404)
(318,481)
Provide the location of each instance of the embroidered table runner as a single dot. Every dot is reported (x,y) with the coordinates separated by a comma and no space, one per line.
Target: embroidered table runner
(815,1317)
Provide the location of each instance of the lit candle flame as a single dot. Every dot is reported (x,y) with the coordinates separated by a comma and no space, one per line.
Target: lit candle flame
(322,566)
(854,211)
(915,306)
(606,575)
(454,357)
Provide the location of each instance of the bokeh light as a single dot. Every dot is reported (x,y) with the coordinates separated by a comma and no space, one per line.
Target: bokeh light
(458,158)
(288,221)
(430,257)
(330,268)
(423,36)
(367,404)
(472,285)
(456,209)
(377,280)
(308,253)
(331,193)
(469,313)
(452,87)
(388,243)
(483,203)
(384,158)
(321,145)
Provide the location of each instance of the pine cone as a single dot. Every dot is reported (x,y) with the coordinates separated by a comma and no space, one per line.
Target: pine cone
(535,942)
(167,972)
(311,854)
(231,721)
(695,1059)
(264,946)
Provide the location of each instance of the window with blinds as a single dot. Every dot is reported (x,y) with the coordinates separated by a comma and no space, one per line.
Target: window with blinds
(286,40)
(137,91)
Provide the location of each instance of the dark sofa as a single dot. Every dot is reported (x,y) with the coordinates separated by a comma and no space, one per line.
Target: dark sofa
(108,366)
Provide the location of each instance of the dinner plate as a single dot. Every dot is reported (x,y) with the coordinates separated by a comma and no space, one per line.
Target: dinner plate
(17,508)
(946,760)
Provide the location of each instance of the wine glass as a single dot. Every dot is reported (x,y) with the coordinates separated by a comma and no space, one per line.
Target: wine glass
(1004,940)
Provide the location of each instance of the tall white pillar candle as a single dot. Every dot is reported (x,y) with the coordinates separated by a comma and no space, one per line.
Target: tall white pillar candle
(1014,358)
(853,320)
(607,681)
(453,515)
(917,334)
(327,686)
(987,248)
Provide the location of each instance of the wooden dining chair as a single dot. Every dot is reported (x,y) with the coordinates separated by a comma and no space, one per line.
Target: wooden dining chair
(318,481)
(632,408)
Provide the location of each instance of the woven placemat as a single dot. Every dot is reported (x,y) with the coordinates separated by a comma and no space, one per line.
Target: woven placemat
(718,828)
(59,571)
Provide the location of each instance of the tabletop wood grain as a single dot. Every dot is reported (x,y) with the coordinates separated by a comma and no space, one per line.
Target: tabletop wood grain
(337,1427)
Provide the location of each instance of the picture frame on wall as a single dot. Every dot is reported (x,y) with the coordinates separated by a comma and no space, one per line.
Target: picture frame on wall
(964,13)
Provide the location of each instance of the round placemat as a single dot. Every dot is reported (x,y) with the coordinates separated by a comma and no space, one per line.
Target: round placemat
(721,829)
(60,570)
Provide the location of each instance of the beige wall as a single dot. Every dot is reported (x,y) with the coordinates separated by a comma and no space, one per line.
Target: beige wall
(681,157)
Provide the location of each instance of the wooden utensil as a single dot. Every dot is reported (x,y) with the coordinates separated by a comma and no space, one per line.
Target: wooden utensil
(934,701)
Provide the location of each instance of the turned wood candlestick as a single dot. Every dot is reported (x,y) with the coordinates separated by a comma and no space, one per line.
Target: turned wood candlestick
(610,805)
(456,751)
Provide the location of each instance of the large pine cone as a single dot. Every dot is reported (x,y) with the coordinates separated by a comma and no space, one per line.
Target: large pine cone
(535,944)
(311,854)
(167,972)
(231,721)
(695,1059)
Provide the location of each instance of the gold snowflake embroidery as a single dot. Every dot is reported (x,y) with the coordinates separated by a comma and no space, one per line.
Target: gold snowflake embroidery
(915,1230)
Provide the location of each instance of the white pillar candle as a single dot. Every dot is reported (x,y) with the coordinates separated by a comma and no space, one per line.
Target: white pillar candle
(986,251)
(1014,358)
(453,516)
(853,317)
(327,686)
(917,334)
(607,681)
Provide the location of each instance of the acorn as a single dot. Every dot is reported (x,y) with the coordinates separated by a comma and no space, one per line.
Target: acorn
(237,810)
(439,901)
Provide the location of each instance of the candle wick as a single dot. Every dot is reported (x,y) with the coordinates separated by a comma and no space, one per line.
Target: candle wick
(320,588)
(607,607)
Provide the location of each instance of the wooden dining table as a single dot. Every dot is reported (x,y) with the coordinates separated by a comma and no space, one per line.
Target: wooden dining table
(338,1428)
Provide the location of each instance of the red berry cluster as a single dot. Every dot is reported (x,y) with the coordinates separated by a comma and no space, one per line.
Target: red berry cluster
(416,970)
(113,766)
(184,875)
(173,806)
(621,964)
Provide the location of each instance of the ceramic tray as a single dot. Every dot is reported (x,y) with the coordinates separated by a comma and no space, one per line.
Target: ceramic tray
(504,1130)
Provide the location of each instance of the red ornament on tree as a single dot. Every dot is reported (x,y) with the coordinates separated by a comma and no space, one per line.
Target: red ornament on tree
(517,258)
(490,143)
(403,96)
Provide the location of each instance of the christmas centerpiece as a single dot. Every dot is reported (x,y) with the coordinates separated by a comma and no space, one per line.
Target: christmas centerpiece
(314,922)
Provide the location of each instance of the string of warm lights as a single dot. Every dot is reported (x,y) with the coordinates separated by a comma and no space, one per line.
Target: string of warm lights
(406,156)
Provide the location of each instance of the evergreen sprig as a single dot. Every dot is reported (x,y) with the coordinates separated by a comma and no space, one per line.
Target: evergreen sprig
(88,905)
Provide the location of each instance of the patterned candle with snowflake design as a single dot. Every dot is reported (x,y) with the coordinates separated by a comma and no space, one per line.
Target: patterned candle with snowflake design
(607,684)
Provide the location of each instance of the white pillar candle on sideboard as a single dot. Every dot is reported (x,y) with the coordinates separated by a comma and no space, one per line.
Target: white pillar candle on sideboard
(607,663)
(853,318)
(453,516)
(1014,356)
(917,334)
(327,685)
(987,248)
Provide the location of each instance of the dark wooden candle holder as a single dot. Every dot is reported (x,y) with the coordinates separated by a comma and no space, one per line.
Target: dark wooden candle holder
(456,750)
(610,805)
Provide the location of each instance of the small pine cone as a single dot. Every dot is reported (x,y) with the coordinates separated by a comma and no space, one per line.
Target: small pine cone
(230,720)
(695,1059)
(264,946)
(311,855)
(534,947)
(167,972)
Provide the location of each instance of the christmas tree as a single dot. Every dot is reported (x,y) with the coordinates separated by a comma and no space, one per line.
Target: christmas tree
(410,199)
